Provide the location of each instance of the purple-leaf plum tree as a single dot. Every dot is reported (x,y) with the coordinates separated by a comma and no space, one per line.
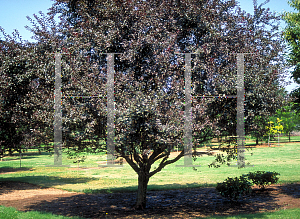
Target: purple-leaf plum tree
(149,84)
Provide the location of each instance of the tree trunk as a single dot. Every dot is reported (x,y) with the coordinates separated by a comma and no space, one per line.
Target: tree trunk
(143,180)
(10,152)
(256,141)
(289,136)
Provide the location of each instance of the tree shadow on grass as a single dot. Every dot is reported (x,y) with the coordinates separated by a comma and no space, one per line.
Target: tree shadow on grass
(160,204)
(5,170)
(151,187)
(172,186)
(36,182)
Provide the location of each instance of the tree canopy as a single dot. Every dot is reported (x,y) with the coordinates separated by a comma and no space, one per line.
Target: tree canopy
(25,95)
(291,35)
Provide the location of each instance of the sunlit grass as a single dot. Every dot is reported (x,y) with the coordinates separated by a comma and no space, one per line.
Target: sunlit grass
(12,213)
(282,214)
(92,179)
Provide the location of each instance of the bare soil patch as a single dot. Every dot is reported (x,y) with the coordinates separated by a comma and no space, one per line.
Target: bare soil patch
(160,204)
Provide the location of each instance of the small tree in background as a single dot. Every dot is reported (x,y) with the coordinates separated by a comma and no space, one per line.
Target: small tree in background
(278,129)
(274,128)
(289,119)
(271,130)
(259,129)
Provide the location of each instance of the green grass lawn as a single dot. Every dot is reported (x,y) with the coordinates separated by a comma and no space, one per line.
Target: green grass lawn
(284,160)
(282,214)
(12,213)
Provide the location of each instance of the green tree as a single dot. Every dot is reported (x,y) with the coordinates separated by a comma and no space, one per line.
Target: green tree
(278,129)
(270,130)
(23,105)
(290,119)
(292,37)
(274,127)
(258,128)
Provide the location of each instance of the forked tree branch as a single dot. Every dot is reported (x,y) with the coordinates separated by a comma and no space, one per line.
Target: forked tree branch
(165,163)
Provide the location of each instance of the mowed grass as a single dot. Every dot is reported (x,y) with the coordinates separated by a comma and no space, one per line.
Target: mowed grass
(281,214)
(9,213)
(12,213)
(93,179)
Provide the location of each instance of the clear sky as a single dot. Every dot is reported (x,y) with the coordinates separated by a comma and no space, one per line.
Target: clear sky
(13,14)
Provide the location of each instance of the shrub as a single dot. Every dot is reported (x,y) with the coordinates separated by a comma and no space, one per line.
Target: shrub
(234,188)
(262,178)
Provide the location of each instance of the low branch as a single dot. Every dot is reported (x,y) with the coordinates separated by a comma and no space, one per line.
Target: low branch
(165,163)
(132,164)
(160,156)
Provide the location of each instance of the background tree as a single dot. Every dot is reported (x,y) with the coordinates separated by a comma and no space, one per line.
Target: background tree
(21,100)
(258,129)
(291,35)
(278,129)
(289,119)
(265,39)
(270,131)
